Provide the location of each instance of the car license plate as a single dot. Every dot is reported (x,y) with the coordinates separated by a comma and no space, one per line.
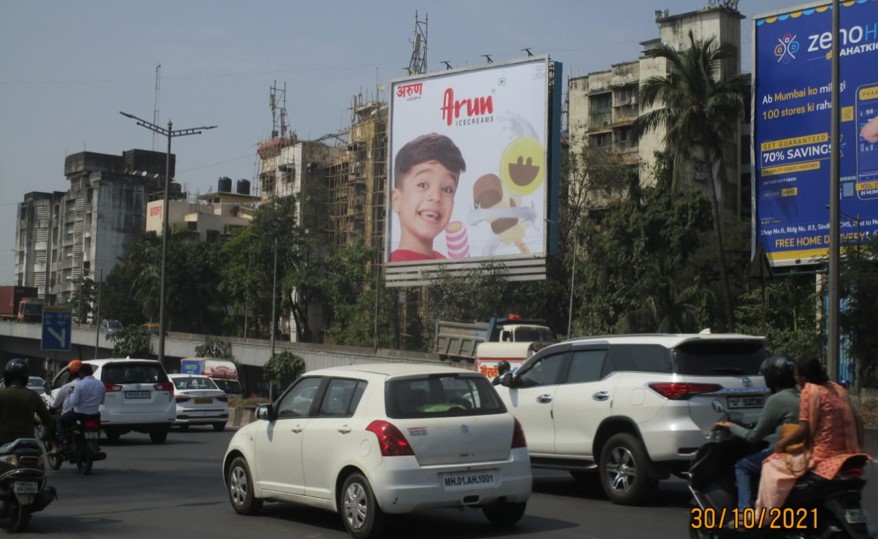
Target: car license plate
(204,400)
(755,401)
(91,435)
(137,394)
(25,487)
(470,480)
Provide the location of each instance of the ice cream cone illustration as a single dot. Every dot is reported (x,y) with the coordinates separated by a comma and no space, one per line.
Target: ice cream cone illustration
(457,240)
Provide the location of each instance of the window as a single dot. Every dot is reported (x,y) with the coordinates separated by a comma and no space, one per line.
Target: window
(137,373)
(586,366)
(718,357)
(442,395)
(640,358)
(342,397)
(542,372)
(299,399)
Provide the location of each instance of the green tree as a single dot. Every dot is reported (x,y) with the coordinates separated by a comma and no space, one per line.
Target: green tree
(699,107)
(860,310)
(625,267)
(215,347)
(131,341)
(82,299)
(283,368)
(784,310)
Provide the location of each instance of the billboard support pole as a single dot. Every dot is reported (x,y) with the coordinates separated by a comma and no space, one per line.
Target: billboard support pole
(832,363)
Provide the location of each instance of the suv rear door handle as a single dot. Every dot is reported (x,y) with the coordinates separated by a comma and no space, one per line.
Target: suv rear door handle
(544,398)
(344,430)
(297,429)
(601,396)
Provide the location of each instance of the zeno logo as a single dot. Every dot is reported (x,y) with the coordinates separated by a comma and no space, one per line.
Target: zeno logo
(786,48)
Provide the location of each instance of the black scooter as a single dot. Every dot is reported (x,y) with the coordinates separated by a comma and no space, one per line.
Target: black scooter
(23,488)
(817,508)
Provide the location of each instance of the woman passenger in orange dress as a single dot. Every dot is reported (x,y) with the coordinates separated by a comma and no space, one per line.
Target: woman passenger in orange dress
(828,424)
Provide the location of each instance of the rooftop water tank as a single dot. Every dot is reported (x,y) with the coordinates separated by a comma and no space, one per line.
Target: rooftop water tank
(224,185)
(243,187)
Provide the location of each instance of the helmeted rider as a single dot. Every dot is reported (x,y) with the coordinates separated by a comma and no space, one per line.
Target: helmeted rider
(781,407)
(502,368)
(18,404)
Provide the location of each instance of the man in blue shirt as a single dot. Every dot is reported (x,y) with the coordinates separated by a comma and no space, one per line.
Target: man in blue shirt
(86,399)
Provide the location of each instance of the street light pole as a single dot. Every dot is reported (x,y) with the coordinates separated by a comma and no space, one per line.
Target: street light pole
(169,133)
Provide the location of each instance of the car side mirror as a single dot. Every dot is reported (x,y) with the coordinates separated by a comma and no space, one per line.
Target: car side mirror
(48,387)
(265,412)
(507,380)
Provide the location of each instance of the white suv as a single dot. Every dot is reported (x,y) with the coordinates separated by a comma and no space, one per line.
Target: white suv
(139,397)
(635,407)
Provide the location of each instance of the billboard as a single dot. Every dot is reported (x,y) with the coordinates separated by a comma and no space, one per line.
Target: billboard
(791,129)
(468,168)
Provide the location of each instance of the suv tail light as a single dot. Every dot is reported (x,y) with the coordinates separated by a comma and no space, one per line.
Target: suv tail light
(518,439)
(110,388)
(164,386)
(182,398)
(678,391)
(390,440)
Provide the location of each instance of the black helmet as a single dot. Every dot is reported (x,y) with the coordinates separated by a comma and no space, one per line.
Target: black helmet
(503,367)
(16,369)
(779,371)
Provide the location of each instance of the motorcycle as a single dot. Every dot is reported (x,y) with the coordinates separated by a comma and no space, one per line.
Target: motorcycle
(23,483)
(817,508)
(82,448)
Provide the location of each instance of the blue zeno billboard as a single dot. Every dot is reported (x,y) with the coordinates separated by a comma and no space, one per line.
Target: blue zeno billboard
(791,129)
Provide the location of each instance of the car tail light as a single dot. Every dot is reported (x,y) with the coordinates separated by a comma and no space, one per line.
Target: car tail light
(224,398)
(677,391)
(182,398)
(390,440)
(518,439)
(164,386)
(91,423)
(110,388)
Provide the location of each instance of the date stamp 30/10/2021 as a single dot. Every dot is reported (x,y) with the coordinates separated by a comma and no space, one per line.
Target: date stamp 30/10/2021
(783,518)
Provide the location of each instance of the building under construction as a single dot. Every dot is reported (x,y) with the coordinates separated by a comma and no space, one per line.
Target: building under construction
(357,178)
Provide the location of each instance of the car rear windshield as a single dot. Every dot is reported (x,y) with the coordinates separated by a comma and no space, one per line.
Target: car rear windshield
(442,395)
(712,358)
(231,387)
(133,373)
(194,382)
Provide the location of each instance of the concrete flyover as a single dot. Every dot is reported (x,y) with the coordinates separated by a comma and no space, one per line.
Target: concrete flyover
(18,339)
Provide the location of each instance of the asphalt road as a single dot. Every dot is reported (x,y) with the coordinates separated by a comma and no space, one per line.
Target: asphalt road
(176,490)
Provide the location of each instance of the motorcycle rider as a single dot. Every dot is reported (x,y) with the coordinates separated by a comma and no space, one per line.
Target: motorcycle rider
(86,399)
(780,408)
(61,404)
(502,368)
(18,404)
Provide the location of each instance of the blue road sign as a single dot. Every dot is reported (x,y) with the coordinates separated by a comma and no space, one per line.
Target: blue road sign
(56,329)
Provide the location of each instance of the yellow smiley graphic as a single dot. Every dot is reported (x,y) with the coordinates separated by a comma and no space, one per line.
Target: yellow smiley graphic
(523,166)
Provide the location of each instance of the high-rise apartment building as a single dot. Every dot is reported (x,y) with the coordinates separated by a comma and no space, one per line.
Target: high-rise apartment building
(601,106)
(63,237)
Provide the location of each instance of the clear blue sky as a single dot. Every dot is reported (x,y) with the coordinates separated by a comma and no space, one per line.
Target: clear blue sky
(67,68)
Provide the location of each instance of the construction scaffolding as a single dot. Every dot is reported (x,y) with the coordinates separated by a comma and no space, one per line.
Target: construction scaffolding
(358,178)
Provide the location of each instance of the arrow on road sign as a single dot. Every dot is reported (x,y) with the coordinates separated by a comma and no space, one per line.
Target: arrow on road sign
(61,337)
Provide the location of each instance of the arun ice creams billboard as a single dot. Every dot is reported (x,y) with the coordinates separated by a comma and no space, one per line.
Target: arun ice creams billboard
(468,165)
(791,129)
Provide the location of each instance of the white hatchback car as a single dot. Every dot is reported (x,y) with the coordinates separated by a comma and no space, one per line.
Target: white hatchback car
(378,439)
(199,401)
(139,397)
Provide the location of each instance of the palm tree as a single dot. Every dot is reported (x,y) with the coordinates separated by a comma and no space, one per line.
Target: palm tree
(699,109)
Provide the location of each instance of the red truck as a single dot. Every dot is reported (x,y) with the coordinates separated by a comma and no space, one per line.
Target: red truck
(20,303)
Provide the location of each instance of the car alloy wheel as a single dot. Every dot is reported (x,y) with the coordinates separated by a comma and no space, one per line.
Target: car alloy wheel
(624,467)
(360,512)
(240,484)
